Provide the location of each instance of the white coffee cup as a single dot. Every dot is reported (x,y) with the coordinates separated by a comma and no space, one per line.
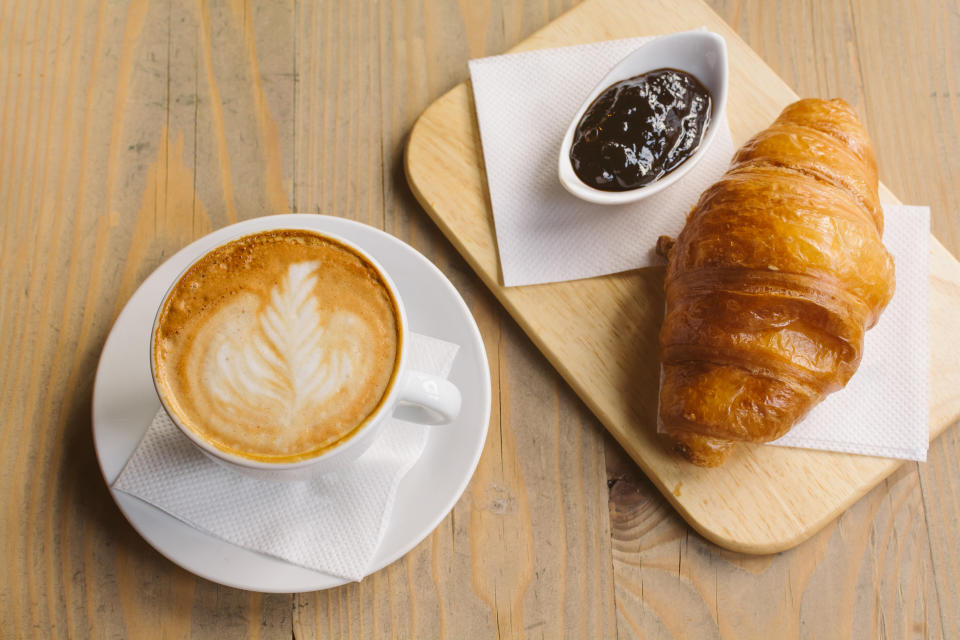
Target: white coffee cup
(411,395)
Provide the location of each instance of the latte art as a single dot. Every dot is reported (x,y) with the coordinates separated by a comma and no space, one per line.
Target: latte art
(281,364)
(276,347)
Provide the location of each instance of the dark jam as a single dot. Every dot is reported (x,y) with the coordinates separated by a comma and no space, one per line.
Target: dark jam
(641,129)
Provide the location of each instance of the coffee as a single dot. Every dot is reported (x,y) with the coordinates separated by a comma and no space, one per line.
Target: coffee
(277,345)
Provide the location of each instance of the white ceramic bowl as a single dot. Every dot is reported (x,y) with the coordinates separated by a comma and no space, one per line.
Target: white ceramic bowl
(699,53)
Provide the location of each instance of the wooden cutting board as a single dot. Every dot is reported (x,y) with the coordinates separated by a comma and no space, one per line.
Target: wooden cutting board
(601,333)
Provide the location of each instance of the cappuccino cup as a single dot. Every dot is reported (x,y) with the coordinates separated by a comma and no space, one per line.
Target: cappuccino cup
(281,354)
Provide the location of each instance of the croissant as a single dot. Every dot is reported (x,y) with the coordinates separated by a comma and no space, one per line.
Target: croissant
(777,274)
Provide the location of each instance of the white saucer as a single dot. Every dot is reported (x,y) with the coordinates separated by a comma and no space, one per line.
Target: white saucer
(124,403)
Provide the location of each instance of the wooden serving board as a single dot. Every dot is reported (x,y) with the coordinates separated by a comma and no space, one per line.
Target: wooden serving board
(601,333)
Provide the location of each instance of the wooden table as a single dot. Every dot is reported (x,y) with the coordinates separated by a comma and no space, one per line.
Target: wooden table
(129,128)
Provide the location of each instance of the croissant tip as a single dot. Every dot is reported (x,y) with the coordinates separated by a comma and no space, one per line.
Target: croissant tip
(665,246)
(707,462)
(703,451)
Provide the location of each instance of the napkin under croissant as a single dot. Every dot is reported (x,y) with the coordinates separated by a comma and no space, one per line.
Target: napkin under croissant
(772,283)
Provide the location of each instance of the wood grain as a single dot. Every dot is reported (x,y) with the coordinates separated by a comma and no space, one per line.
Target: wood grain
(128,129)
(867,576)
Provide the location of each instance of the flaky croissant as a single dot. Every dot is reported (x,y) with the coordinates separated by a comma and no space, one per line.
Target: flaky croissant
(772,283)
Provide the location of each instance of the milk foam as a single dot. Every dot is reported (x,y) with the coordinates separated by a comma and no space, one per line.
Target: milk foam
(281,363)
(283,367)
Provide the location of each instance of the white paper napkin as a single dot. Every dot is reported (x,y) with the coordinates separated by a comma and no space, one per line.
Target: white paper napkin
(333,523)
(525,102)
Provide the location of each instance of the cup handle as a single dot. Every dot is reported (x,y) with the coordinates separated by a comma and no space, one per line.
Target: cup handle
(427,399)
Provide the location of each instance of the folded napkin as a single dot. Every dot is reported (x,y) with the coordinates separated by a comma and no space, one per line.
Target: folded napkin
(525,102)
(332,524)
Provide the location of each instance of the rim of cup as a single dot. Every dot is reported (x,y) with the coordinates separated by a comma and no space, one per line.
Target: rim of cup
(342,444)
